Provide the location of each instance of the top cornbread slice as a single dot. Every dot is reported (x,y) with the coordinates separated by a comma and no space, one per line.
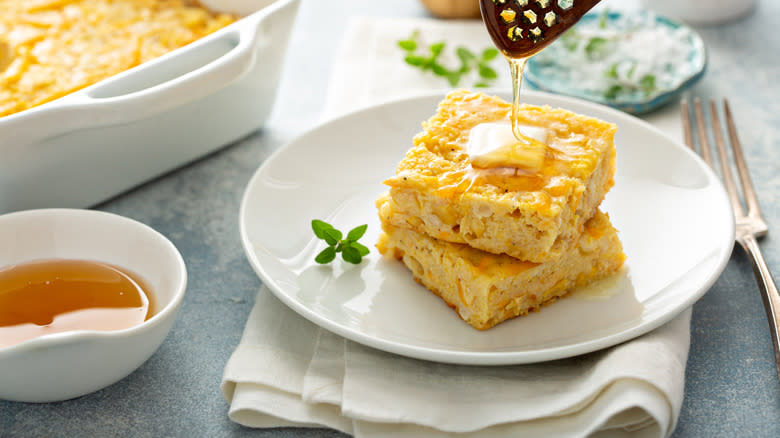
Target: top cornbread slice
(534,216)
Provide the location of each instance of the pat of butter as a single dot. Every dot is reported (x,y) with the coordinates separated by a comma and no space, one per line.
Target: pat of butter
(494,145)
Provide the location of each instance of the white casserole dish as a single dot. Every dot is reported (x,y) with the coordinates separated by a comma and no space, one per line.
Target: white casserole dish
(109,137)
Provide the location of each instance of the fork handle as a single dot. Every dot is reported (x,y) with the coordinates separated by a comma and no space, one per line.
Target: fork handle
(768,290)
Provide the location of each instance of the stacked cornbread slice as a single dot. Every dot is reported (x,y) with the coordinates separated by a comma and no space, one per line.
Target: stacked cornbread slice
(494,234)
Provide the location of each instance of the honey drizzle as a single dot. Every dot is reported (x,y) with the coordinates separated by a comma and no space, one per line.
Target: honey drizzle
(517,67)
(506,179)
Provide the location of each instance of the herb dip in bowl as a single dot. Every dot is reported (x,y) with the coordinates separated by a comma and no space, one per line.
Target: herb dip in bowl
(633,62)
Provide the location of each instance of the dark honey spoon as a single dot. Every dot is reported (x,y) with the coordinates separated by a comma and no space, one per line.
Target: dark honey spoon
(521,28)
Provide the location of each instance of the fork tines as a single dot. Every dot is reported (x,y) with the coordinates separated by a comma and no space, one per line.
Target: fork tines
(748,227)
(703,138)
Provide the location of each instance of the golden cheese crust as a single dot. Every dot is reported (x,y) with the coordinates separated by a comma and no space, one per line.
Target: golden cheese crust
(531,216)
(50,48)
(486,289)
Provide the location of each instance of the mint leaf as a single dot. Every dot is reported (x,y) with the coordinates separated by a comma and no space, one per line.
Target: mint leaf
(408,45)
(612,71)
(327,255)
(357,232)
(414,60)
(570,40)
(465,55)
(489,54)
(595,47)
(613,91)
(439,70)
(361,249)
(647,83)
(604,18)
(332,236)
(351,255)
(319,228)
(631,71)
(437,48)
(486,72)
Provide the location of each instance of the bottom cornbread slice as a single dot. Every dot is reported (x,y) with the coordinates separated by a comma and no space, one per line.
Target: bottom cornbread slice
(486,289)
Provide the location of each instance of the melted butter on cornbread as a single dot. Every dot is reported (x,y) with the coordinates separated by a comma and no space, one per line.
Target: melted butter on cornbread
(51,48)
(493,145)
(441,159)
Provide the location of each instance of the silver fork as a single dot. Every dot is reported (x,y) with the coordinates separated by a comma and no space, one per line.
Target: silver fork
(750,226)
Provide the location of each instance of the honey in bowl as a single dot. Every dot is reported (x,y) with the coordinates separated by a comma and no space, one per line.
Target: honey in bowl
(51,296)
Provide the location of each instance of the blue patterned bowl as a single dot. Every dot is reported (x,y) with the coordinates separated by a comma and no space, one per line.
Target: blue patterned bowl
(555,78)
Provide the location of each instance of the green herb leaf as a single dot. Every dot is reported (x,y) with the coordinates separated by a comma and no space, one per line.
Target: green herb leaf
(465,55)
(486,72)
(361,249)
(332,236)
(630,73)
(437,48)
(647,82)
(351,250)
(426,59)
(408,45)
(327,255)
(570,40)
(481,85)
(414,60)
(351,255)
(357,232)
(319,227)
(613,92)
(595,47)
(612,71)
(439,70)
(489,54)
(603,18)
(453,78)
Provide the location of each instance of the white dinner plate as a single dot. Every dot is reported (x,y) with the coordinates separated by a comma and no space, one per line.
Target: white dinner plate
(672,213)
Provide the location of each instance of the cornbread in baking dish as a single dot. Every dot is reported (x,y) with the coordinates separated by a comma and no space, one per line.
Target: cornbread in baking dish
(486,289)
(534,213)
(51,48)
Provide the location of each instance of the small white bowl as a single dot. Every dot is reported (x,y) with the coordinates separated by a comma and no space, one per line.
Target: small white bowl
(71,364)
(705,12)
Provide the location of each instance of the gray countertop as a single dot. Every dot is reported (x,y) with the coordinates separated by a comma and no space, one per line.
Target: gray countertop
(732,387)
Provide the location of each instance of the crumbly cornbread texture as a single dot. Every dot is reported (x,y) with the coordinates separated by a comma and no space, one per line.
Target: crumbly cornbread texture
(534,216)
(486,289)
(50,48)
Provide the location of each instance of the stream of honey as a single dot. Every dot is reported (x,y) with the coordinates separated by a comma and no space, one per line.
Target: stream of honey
(516,67)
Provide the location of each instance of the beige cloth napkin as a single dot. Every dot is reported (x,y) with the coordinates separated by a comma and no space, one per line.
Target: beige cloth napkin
(288,372)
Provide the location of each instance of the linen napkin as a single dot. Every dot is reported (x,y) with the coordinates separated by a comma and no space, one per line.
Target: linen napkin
(287,371)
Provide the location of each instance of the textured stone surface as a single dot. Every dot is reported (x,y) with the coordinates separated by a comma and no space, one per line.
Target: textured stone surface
(732,387)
